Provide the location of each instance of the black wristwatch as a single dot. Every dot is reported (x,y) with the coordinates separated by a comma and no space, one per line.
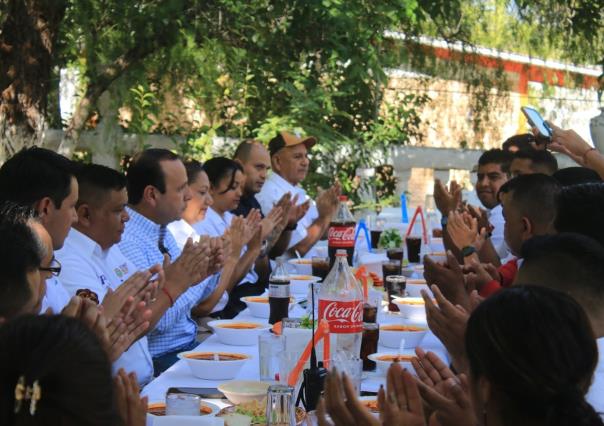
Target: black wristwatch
(292,227)
(468,251)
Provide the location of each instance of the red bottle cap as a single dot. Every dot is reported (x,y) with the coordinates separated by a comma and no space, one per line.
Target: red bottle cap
(343,198)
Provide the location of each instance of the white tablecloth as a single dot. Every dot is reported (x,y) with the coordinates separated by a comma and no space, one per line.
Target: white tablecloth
(179,374)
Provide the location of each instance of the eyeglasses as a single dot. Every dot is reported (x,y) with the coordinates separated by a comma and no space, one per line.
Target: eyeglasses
(54,268)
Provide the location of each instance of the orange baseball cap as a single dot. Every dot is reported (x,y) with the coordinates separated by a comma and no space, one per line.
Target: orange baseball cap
(285,139)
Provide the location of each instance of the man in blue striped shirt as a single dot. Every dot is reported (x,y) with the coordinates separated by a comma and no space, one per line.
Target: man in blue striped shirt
(157,195)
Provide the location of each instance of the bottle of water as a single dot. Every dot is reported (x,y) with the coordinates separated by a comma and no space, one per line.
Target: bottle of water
(341,304)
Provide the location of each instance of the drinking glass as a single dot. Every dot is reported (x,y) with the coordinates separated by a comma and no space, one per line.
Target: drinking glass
(270,345)
(182,404)
(353,367)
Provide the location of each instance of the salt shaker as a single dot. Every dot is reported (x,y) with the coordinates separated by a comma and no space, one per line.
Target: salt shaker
(280,409)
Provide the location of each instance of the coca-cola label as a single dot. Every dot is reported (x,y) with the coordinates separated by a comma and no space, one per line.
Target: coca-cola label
(343,317)
(278,290)
(341,236)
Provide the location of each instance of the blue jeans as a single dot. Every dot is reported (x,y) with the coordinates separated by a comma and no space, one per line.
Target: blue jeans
(165,361)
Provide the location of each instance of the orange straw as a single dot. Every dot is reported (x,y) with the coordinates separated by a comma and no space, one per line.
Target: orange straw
(295,373)
(361,274)
(324,326)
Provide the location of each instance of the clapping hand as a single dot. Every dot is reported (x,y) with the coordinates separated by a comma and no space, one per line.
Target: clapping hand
(328,202)
(448,278)
(252,224)
(401,403)
(451,404)
(114,301)
(478,275)
(431,370)
(448,323)
(217,255)
(463,230)
(447,200)
(297,211)
(131,407)
(342,404)
(271,221)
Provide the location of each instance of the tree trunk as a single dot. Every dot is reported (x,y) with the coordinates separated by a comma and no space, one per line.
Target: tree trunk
(28,31)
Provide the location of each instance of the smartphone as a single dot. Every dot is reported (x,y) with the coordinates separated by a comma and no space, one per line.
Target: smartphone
(204,393)
(536,121)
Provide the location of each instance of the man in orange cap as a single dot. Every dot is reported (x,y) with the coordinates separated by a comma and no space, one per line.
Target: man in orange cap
(289,161)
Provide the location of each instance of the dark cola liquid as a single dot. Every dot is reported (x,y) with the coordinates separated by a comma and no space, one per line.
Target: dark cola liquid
(341,237)
(278,300)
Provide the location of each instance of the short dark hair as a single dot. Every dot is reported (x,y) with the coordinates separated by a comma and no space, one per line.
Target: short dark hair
(95,181)
(220,167)
(522,142)
(242,152)
(535,196)
(580,210)
(20,252)
(572,263)
(144,170)
(497,156)
(34,173)
(193,168)
(576,176)
(536,346)
(541,161)
(70,366)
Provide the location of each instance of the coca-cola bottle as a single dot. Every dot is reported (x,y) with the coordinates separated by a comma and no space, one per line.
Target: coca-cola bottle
(278,292)
(341,304)
(341,232)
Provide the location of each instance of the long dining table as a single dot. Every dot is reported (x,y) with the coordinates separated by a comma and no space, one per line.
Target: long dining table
(179,375)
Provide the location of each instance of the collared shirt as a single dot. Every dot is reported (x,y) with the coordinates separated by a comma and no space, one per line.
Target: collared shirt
(215,225)
(85,265)
(176,329)
(247,203)
(56,297)
(495,216)
(595,395)
(182,231)
(274,188)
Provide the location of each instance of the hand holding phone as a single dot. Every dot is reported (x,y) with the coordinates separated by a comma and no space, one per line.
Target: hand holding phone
(537,122)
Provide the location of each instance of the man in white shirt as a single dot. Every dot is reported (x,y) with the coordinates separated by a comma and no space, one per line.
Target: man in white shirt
(493,171)
(289,161)
(44,180)
(92,263)
(574,264)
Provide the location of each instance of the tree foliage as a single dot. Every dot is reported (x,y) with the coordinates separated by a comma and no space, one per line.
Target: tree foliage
(249,68)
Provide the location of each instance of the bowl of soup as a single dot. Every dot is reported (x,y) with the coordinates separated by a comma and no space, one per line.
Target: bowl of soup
(238,333)
(412,308)
(391,335)
(158,409)
(259,306)
(301,266)
(298,284)
(414,287)
(214,365)
(383,360)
